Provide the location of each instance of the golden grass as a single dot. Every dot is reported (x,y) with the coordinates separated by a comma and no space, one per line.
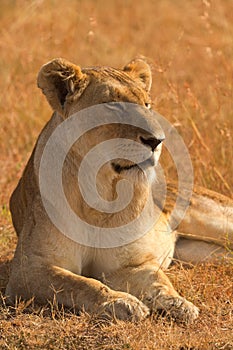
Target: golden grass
(28,326)
(189,44)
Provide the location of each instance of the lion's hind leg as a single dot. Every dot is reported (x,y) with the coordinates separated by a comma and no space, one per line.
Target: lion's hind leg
(206,231)
(196,251)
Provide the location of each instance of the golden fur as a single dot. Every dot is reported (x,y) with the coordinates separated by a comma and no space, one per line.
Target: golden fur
(126,282)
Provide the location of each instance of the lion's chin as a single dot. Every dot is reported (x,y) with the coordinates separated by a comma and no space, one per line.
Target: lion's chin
(141,173)
(142,166)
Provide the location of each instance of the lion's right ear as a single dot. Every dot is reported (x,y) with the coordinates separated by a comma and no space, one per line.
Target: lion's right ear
(140,71)
(61,80)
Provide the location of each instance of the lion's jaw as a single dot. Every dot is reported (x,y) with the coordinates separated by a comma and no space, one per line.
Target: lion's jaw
(116,197)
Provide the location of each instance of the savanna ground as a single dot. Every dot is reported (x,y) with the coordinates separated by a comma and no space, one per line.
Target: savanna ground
(189,45)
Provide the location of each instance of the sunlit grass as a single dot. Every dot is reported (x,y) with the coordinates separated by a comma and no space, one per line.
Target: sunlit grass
(189,45)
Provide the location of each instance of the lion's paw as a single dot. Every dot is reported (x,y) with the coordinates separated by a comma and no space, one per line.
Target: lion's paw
(178,308)
(127,308)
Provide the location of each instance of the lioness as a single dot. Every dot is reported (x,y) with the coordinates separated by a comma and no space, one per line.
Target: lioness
(126,281)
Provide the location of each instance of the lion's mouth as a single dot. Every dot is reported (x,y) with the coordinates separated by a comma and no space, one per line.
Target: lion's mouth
(149,162)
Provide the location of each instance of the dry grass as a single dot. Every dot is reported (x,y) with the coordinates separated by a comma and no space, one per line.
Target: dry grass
(189,44)
(32,327)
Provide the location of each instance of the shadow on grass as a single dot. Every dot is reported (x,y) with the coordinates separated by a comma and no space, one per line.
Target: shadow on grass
(4,274)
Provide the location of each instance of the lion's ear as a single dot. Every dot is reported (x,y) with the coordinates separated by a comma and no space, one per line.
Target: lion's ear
(140,71)
(60,80)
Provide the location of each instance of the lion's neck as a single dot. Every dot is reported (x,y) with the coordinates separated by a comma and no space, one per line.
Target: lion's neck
(113,202)
(116,217)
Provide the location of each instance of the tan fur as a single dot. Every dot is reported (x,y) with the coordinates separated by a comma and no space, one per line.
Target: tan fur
(126,282)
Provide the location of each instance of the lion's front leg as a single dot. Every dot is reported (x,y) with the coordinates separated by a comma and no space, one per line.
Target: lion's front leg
(150,284)
(49,283)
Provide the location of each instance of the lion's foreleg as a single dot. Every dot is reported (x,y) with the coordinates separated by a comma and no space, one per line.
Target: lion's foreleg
(55,284)
(150,284)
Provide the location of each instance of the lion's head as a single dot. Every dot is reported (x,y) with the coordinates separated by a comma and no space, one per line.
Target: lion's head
(124,93)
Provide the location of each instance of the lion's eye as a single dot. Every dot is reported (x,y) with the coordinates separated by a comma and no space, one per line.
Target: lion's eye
(148,105)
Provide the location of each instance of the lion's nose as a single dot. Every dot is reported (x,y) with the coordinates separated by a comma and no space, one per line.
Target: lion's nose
(152,142)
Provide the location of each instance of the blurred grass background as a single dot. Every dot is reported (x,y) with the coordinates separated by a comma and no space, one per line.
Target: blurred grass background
(190,48)
(188,43)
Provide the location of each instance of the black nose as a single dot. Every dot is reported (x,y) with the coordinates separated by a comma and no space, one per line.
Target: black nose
(152,142)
